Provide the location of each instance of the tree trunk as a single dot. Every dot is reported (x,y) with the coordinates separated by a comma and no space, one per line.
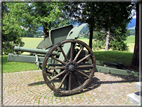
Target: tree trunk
(107,40)
(45,30)
(135,60)
(91,36)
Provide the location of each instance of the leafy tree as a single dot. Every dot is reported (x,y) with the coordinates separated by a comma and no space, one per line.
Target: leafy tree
(101,16)
(87,12)
(106,16)
(21,18)
(99,40)
(11,30)
(117,39)
(115,16)
(47,14)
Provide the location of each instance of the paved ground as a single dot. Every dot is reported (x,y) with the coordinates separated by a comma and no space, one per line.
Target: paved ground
(29,88)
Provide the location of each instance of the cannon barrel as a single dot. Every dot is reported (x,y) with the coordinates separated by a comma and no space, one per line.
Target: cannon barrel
(32,50)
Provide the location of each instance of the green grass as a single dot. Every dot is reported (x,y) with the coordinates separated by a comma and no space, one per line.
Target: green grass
(85,40)
(107,56)
(114,56)
(16,66)
(31,42)
(130,42)
(130,39)
(131,46)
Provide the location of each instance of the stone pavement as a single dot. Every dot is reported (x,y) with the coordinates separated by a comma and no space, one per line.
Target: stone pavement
(29,88)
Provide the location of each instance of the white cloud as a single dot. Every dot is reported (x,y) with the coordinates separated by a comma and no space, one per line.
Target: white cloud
(134,16)
(133,13)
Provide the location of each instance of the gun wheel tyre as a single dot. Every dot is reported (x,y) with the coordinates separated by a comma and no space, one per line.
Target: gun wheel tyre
(72,78)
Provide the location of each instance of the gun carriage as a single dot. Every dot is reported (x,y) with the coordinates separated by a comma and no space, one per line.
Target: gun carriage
(67,64)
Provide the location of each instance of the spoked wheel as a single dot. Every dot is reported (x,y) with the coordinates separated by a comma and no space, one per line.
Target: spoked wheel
(69,75)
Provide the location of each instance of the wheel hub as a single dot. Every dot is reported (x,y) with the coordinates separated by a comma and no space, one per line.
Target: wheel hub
(71,67)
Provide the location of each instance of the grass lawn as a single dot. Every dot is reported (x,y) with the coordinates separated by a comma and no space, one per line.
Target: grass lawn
(114,56)
(31,42)
(107,56)
(130,39)
(16,66)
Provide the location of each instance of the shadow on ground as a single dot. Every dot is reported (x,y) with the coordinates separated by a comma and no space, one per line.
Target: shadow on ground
(92,85)
(127,78)
(36,83)
(95,83)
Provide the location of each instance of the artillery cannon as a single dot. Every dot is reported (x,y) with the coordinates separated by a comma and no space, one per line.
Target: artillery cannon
(67,64)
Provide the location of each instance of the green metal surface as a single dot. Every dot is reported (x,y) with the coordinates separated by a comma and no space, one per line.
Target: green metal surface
(28,58)
(55,36)
(24,58)
(32,50)
(44,44)
(73,34)
(118,65)
(116,71)
(59,34)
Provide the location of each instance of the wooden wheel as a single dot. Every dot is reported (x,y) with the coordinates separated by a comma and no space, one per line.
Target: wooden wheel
(68,75)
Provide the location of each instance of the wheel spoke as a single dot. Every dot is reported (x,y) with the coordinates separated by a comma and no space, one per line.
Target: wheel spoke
(58,60)
(83,58)
(78,53)
(76,78)
(85,66)
(49,72)
(63,67)
(64,54)
(63,80)
(71,51)
(82,73)
(70,81)
(57,75)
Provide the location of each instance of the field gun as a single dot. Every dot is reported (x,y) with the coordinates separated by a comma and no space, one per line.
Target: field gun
(67,63)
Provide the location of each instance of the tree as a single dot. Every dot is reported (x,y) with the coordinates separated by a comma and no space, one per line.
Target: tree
(99,40)
(11,30)
(135,59)
(47,14)
(102,16)
(21,18)
(115,16)
(117,39)
(90,12)
(82,13)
